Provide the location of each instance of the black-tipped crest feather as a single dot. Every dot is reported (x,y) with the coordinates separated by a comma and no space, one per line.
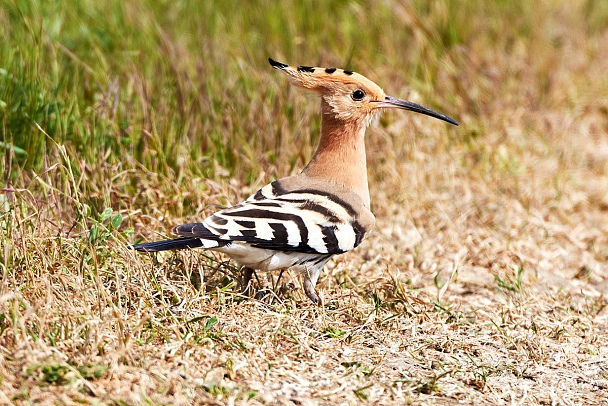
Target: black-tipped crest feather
(276,64)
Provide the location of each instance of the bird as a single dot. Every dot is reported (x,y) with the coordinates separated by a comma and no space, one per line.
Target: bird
(299,222)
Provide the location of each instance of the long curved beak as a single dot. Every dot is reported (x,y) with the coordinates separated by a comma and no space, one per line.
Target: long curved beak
(395,103)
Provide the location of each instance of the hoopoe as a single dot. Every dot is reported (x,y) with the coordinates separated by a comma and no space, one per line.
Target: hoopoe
(301,221)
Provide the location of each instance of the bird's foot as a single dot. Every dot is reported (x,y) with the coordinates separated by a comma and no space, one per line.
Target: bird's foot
(310,292)
(311,276)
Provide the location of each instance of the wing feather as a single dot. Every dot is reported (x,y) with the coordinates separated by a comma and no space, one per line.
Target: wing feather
(307,221)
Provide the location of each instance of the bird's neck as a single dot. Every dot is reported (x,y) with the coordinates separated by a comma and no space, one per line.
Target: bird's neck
(340,157)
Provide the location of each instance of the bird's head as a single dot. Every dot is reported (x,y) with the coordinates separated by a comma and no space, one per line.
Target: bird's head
(347,95)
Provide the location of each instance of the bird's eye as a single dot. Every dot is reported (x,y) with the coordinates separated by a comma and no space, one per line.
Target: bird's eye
(358,95)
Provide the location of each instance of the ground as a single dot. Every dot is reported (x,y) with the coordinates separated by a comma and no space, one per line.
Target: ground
(484,281)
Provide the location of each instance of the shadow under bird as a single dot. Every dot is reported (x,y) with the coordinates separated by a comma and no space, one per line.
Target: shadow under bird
(300,221)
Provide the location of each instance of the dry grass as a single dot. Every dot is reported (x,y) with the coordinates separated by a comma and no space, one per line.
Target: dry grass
(484,283)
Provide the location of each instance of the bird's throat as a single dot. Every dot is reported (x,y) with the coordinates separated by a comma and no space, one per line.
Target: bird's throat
(340,157)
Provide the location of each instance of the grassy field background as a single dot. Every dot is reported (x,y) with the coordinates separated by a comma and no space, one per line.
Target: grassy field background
(484,282)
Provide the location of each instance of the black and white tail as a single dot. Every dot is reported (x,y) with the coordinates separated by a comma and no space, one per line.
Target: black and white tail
(175,244)
(193,235)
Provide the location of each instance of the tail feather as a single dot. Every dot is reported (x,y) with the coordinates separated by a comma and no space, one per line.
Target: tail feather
(175,244)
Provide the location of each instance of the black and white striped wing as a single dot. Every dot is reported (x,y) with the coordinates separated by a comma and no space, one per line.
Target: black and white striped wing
(307,221)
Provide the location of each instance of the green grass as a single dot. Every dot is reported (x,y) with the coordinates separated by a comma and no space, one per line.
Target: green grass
(482,283)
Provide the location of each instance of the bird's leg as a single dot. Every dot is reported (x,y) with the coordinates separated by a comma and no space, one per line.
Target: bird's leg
(247,275)
(276,285)
(310,280)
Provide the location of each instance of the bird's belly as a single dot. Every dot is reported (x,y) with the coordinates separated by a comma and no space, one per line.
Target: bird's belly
(263,259)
